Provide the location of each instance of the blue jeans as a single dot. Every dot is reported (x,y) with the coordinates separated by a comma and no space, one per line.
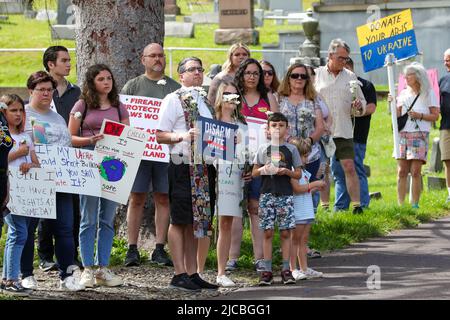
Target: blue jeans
(92,210)
(62,229)
(342,200)
(17,236)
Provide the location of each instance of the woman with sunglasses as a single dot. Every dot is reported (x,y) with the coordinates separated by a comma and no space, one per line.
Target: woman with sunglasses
(237,53)
(298,101)
(270,77)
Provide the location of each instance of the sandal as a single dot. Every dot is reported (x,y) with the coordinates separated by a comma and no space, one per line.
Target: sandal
(313,254)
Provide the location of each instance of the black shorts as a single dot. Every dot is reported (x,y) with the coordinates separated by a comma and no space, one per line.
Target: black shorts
(180,193)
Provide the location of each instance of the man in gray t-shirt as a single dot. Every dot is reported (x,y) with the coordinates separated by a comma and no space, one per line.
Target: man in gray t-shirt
(152,175)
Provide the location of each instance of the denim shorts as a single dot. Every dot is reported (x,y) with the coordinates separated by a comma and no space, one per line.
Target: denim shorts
(254,188)
(280,208)
(151,176)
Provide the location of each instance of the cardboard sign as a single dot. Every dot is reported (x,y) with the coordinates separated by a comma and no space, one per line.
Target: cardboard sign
(119,154)
(144,115)
(392,34)
(218,139)
(256,134)
(76,169)
(32,194)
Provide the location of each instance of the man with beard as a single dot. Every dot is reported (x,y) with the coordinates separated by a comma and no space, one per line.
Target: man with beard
(152,175)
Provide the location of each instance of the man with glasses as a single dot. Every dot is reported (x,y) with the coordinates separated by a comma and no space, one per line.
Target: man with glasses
(335,84)
(444,142)
(151,175)
(189,183)
(57,62)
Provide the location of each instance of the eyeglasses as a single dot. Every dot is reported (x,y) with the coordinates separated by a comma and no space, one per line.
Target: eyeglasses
(42,90)
(153,55)
(268,72)
(302,76)
(193,69)
(251,74)
(343,59)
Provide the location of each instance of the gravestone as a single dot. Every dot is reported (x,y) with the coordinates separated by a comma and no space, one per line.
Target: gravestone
(170,7)
(264,4)
(258,17)
(435,158)
(436,183)
(66,12)
(204,18)
(179,29)
(170,17)
(278,12)
(63,31)
(289,6)
(236,23)
(11,6)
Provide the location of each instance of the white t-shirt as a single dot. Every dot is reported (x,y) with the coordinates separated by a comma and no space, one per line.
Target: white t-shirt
(18,138)
(172,118)
(422,105)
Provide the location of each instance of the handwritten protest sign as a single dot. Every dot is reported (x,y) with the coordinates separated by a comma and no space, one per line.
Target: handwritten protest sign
(256,134)
(217,139)
(119,154)
(32,194)
(144,115)
(392,34)
(76,169)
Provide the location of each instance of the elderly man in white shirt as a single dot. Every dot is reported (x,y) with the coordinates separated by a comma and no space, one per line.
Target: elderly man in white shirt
(345,100)
(177,107)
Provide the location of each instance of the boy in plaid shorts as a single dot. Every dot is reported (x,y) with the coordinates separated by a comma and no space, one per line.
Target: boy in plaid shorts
(277,162)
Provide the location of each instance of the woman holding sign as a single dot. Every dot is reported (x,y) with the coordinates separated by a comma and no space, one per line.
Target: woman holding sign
(419,101)
(99,100)
(47,127)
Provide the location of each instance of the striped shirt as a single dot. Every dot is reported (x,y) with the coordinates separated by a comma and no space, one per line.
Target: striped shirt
(336,92)
(303,203)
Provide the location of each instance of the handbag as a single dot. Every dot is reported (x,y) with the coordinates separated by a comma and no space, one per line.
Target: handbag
(401,121)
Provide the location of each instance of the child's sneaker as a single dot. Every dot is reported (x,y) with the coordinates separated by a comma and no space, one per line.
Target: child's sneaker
(259,265)
(286,277)
(311,274)
(298,275)
(87,278)
(15,288)
(30,283)
(71,284)
(231,265)
(266,278)
(105,277)
(224,281)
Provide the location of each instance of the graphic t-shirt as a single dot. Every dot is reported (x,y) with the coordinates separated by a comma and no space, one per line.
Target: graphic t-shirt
(257,111)
(18,139)
(283,156)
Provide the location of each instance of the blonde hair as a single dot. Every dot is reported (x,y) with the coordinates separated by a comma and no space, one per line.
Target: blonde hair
(303,145)
(9,99)
(285,87)
(218,103)
(228,65)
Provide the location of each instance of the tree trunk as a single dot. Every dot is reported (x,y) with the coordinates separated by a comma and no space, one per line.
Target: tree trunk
(115,33)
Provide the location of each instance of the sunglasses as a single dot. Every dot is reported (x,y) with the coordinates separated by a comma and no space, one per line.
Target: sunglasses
(302,76)
(226,92)
(268,72)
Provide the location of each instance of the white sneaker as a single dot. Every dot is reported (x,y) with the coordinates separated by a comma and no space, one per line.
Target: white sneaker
(311,274)
(87,278)
(71,284)
(30,283)
(298,275)
(224,281)
(105,277)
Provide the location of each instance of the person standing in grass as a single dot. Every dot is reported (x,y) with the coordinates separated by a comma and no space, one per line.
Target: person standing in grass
(444,142)
(418,97)
(304,214)
(99,101)
(23,156)
(277,162)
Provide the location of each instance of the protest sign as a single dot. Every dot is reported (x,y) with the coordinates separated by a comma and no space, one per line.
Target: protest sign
(217,139)
(392,34)
(119,154)
(256,134)
(76,169)
(32,194)
(144,115)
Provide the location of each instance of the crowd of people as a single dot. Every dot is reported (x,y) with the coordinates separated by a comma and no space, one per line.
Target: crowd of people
(317,125)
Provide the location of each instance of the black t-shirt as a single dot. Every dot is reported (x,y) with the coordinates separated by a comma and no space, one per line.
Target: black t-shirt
(6,143)
(65,103)
(362,124)
(444,89)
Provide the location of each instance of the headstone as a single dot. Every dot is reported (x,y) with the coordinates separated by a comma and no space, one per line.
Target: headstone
(205,18)
(179,29)
(289,6)
(279,12)
(295,18)
(11,6)
(216,6)
(436,183)
(44,15)
(63,31)
(4,18)
(264,4)
(435,159)
(236,23)
(259,17)
(170,17)
(170,7)
(66,12)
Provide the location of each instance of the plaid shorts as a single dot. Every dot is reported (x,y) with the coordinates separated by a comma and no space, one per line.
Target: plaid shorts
(414,146)
(273,208)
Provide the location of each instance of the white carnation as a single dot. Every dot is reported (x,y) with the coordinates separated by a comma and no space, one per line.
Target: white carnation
(162,82)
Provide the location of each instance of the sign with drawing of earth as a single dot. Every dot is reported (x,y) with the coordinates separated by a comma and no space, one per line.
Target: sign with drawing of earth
(112,169)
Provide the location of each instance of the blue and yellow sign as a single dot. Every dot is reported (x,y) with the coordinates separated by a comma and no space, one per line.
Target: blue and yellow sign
(392,34)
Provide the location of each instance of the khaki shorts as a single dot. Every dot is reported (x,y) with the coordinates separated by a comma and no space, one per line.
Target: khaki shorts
(444,144)
(344,149)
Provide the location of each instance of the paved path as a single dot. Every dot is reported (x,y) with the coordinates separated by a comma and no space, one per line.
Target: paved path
(414,264)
